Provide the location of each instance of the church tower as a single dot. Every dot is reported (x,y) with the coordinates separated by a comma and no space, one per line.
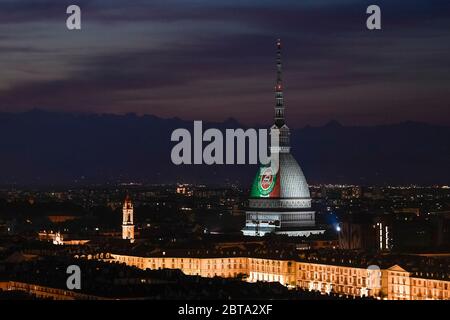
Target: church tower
(127,223)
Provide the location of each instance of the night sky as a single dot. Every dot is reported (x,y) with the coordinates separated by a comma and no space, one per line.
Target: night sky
(211,60)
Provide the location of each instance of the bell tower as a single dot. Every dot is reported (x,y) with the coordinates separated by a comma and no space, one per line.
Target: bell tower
(127,222)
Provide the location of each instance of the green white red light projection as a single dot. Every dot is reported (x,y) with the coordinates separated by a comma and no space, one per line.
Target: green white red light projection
(266,184)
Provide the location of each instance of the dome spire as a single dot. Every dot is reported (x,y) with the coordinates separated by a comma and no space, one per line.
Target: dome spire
(279,106)
(280,122)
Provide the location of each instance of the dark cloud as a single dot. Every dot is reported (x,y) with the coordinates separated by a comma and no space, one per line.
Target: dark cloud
(220,60)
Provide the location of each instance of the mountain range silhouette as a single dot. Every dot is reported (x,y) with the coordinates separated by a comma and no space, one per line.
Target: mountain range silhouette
(41,148)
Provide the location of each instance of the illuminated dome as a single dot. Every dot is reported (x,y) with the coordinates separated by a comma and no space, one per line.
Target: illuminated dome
(286,188)
(280,201)
(290,182)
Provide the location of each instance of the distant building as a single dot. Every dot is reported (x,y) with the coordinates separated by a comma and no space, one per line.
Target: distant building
(184,189)
(235,210)
(413,211)
(48,236)
(411,232)
(7,227)
(61,218)
(57,238)
(128,223)
(354,192)
(374,193)
(396,231)
(365,232)
(280,201)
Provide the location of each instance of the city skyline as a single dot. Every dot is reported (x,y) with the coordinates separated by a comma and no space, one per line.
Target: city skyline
(225,158)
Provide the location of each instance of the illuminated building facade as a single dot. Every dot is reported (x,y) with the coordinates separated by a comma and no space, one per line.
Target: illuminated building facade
(127,222)
(394,283)
(280,201)
(44,292)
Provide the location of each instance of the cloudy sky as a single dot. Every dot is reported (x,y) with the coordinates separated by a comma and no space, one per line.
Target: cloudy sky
(215,59)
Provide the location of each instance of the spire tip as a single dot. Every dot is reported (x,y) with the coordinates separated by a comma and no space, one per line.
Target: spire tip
(279,43)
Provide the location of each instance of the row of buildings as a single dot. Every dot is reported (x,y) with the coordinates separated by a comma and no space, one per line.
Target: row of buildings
(392,283)
(44,292)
